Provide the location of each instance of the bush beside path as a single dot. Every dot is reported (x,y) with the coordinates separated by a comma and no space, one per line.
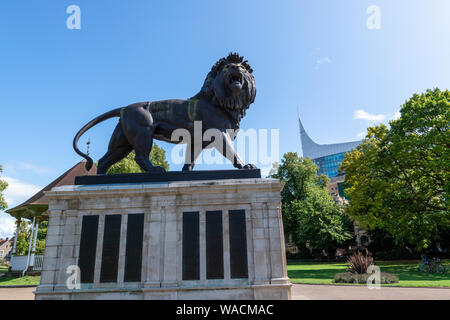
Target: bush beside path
(407,272)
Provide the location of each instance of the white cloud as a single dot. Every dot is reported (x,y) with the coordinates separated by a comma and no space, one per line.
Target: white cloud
(14,167)
(361,134)
(396,116)
(34,168)
(7,226)
(364,115)
(321,61)
(18,191)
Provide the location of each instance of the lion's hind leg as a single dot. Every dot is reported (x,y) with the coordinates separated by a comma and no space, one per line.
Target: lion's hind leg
(118,148)
(143,143)
(192,153)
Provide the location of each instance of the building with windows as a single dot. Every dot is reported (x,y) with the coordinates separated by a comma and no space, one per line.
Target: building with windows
(326,156)
(336,188)
(5,248)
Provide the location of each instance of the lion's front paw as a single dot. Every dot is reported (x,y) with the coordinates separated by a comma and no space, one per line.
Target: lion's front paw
(249,166)
(157,170)
(187,167)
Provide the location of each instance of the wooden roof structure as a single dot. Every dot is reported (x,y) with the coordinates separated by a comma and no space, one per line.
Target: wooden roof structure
(38,204)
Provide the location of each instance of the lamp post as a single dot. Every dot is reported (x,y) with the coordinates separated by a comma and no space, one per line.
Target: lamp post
(29,247)
(13,251)
(33,251)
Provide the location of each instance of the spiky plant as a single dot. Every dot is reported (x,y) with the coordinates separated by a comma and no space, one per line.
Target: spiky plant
(358,263)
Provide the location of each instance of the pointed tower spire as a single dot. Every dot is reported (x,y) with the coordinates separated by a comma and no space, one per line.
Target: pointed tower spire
(307,143)
(314,150)
(88,143)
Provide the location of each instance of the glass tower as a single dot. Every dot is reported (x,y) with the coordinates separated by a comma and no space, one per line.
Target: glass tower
(329,165)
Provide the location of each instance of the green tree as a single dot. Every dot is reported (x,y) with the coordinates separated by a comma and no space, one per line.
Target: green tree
(128,165)
(42,234)
(309,212)
(399,178)
(3,186)
(23,240)
(385,246)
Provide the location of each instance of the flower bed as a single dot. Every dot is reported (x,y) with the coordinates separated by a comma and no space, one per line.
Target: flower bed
(361,278)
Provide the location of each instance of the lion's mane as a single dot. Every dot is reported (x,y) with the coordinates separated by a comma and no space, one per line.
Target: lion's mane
(215,91)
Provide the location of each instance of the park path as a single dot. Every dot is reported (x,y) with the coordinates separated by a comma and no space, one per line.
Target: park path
(17,293)
(333,292)
(308,292)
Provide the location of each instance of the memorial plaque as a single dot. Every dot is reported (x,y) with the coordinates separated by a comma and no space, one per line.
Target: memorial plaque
(88,246)
(214,245)
(238,244)
(133,251)
(191,246)
(111,243)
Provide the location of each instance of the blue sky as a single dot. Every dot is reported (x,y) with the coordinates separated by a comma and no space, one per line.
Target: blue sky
(315,55)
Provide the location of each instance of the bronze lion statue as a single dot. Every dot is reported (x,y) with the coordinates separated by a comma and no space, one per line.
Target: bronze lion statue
(227,93)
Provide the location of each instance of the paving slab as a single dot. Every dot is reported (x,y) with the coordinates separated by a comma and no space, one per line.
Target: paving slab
(17,293)
(308,292)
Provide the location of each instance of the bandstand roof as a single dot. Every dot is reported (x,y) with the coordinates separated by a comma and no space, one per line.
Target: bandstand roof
(38,203)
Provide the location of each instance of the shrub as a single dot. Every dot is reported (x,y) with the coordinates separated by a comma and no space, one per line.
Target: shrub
(358,263)
(348,277)
(3,263)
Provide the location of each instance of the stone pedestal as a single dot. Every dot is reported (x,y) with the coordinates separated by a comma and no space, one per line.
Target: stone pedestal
(215,239)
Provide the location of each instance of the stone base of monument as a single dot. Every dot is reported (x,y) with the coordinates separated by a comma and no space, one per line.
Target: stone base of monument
(210,239)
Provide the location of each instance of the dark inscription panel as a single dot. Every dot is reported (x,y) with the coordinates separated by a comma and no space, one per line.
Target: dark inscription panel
(191,246)
(214,245)
(88,246)
(238,244)
(133,254)
(111,243)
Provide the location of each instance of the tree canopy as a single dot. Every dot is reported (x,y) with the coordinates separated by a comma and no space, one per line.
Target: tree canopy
(3,186)
(309,212)
(23,239)
(128,165)
(399,178)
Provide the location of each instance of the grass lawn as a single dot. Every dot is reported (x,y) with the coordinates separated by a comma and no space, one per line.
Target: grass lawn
(323,273)
(16,281)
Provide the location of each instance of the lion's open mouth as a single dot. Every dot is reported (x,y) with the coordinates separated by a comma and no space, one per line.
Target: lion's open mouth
(235,78)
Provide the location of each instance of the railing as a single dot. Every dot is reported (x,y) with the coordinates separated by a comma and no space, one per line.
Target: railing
(38,262)
(19,263)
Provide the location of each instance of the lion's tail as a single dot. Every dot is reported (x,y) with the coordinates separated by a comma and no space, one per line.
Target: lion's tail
(90,124)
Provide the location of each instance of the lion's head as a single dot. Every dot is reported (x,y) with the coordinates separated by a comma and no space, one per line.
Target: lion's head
(230,85)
